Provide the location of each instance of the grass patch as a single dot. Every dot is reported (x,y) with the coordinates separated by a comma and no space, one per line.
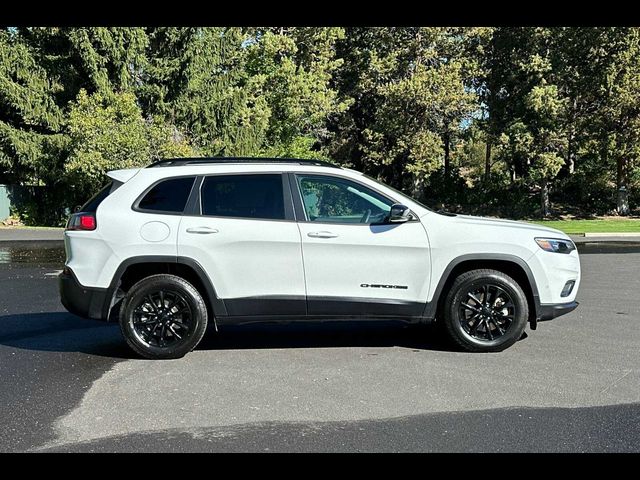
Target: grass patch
(608,225)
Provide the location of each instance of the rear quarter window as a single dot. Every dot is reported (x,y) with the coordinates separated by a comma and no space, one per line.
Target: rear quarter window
(167,196)
(92,205)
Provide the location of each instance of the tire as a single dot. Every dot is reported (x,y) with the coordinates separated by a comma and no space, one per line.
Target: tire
(163,317)
(492,321)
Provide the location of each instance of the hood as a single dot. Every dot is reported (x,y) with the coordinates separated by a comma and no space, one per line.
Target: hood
(498,222)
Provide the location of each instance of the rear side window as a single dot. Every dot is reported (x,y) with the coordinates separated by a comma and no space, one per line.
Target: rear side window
(244,196)
(168,196)
(92,205)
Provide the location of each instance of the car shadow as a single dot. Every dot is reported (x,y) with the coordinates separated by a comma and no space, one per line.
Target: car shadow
(62,332)
(325,335)
(65,332)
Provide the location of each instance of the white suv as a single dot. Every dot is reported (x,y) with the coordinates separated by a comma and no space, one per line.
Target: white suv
(168,248)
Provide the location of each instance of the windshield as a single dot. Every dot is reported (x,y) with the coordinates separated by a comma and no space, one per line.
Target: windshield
(404,195)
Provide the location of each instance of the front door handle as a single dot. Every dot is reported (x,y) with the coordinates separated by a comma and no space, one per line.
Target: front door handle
(323,234)
(202,230)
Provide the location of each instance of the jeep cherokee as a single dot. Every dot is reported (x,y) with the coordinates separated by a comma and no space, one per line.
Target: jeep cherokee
(168,248)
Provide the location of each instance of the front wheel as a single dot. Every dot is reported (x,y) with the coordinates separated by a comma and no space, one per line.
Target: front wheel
(485,311)
(163,316)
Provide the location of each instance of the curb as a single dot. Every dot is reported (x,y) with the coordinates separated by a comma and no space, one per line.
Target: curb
(612,234)
(29,235)
(605,238)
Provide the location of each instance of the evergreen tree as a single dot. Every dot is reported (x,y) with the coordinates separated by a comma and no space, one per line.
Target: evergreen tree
(412,91)
(30,119)
(196,79)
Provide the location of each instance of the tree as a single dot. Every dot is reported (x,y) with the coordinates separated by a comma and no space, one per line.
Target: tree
(412,92)
(107,132)
(620,115)
(196,79)
(293,68)
(556,110)
(244,91)
(30,119)
(527,107)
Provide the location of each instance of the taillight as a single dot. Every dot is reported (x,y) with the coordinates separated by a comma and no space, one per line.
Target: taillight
(82,221)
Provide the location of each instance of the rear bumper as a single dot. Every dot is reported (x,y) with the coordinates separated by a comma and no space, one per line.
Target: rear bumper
(551,311)
(79,300)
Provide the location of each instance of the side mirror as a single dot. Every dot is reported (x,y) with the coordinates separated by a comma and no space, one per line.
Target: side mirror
(399,213)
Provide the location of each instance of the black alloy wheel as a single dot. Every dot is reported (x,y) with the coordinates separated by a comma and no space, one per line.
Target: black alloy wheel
(485,311)
(162,317)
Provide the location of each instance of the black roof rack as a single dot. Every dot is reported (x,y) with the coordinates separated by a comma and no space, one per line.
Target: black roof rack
(178,162)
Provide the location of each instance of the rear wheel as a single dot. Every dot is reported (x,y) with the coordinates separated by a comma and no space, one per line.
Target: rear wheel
(163,316)
(485,311)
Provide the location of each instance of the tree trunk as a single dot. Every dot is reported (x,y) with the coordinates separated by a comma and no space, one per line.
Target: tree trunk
(487,161)
(544,199)
(418,188)
(447,159)
(570,163)
(623,194)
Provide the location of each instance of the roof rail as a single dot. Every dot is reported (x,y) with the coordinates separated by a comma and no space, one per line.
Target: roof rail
(178,162)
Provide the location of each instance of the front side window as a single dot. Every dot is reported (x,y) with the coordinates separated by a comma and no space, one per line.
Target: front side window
(337,200)
(243,196)
(168,196)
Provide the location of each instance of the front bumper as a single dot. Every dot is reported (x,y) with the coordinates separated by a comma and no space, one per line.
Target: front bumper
(551,311)
(79,300)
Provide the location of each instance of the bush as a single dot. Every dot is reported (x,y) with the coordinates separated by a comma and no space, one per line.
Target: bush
(496,196)
(585,192)
(39,205)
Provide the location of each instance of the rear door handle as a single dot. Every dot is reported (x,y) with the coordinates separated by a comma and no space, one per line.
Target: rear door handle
(323,234)
(202,230)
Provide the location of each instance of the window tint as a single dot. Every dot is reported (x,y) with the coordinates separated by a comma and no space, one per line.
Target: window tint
(93,202)
(246,196)
(330,199)
(168,196)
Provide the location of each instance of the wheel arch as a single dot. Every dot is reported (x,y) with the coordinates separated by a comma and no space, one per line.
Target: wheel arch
(512,265)
(134,269)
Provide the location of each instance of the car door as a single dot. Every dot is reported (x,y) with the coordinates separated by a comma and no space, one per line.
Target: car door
(245,237)
(355,263)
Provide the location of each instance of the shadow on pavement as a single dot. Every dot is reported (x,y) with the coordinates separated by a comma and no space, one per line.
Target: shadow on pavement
(604,429)
(64,332)
(325,335)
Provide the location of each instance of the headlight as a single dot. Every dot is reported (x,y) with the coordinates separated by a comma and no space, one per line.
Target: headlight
(556,245)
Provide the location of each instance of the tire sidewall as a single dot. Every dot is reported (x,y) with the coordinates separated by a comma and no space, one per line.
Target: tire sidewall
(452,317)
(167,283)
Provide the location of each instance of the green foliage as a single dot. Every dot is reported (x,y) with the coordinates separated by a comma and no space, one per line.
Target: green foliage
(29,117)
(431,101)
(196,79)
(412,91)
(299,147)
(292,69)
(491,120)
(106,132)
(167,141)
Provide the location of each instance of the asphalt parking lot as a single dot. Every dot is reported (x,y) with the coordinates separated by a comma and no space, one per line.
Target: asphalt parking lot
(70,384)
